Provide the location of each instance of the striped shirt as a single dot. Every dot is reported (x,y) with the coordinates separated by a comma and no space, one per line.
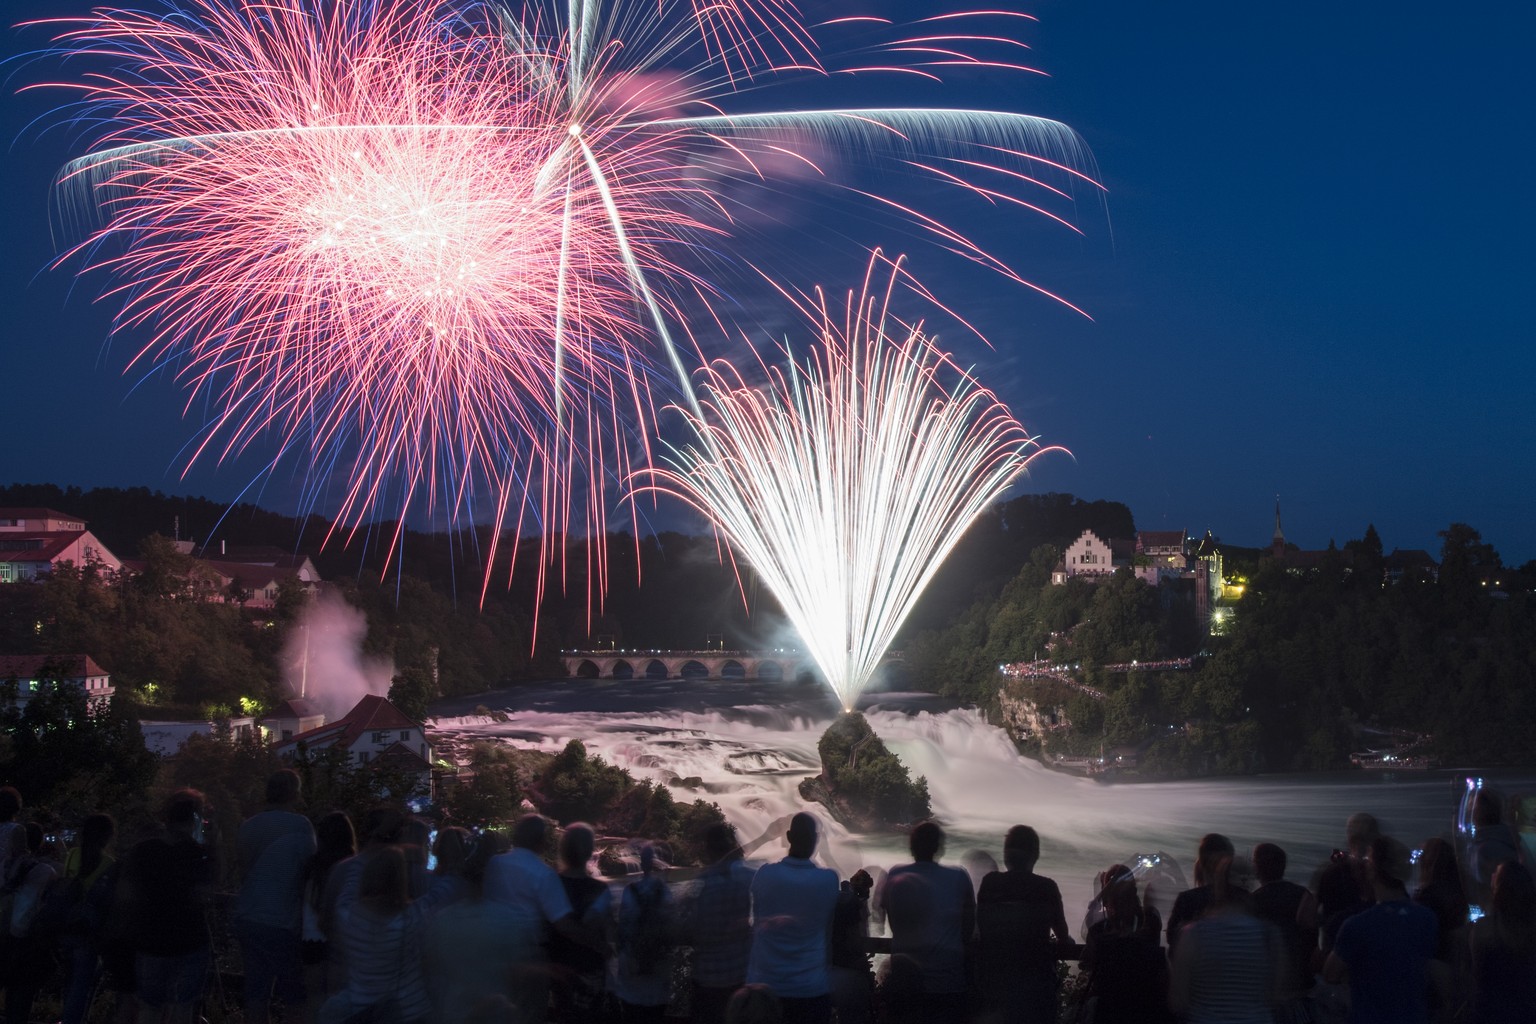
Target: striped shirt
(1232,962)
(384,958)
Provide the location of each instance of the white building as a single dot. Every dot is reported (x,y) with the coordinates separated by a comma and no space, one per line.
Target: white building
(167,738)
(374,732)
(1089,555)
(32,672)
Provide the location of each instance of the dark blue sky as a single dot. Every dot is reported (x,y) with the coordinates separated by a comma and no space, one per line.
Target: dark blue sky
(1313,279)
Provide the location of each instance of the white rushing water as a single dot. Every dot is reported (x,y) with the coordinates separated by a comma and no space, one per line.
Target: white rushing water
(750,744)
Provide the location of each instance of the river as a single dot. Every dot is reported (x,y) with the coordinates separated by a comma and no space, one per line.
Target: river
(750,743)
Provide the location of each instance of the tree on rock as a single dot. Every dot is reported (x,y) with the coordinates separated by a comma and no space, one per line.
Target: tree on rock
(868,785)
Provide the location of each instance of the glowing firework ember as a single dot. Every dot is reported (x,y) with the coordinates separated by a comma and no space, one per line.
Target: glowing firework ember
(848,478)
(435,250)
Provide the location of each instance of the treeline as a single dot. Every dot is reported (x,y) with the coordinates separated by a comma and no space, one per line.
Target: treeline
(431,607)
(1310,667)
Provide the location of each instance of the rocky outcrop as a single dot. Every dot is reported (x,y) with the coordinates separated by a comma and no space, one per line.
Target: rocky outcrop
(862,784)
(1030,718)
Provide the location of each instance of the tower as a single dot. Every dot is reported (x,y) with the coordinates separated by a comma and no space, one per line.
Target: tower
(1277,545)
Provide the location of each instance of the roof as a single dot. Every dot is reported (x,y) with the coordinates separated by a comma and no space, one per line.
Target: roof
(1207,546)
(401,756)
(370,714)
(51,545)
(1159,538)
(253,555)
(9,512)
(28,666)
(250,574)
(1315,559)
(297,707)
(1410,558)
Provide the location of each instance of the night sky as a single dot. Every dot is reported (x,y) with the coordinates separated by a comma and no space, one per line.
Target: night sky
(1312,277)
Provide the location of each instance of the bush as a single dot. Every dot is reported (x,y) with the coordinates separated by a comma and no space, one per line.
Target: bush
(576,787)
(649,811)
(494,796)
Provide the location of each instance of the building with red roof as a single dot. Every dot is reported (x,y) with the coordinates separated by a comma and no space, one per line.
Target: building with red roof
(34,541)
(374,733)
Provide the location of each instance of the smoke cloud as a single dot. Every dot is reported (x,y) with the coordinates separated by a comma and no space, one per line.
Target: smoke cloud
(324,657)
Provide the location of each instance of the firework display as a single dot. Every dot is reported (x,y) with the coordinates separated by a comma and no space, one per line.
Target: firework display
(440,254)
(847,478)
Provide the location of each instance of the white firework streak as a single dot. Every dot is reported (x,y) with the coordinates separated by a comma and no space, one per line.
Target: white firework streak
(847,479)
(629,149)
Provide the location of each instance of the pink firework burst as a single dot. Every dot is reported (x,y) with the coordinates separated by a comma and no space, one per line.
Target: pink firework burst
(439,252)
(349,232)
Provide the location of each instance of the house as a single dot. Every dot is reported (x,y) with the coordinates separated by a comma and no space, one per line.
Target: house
(166,738)
(259,582)
(374,732)
(290,718)
(32,671)
(34,541)
(1167,549)
(1089,555)
(250,584)
(1410,564)
(1161,555)
(1300,562)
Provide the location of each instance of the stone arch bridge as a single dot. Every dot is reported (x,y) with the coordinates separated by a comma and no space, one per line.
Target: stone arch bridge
(769,665)
(713,664)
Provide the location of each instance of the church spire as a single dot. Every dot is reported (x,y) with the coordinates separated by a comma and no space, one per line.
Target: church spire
(1277,545)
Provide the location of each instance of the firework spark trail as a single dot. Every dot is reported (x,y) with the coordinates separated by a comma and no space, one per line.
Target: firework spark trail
(847,479)
(345,229)
(438,250)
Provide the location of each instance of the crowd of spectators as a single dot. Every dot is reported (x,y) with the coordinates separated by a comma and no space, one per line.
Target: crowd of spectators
(391,923)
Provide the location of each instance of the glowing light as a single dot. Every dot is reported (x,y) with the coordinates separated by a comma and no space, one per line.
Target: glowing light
(437,251)
(846,480)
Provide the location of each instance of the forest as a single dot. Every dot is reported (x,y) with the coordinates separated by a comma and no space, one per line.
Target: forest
(1308,667)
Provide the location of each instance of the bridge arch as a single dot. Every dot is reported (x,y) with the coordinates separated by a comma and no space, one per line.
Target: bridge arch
(622,670)
(770,671)
(588,669)
(730,668)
